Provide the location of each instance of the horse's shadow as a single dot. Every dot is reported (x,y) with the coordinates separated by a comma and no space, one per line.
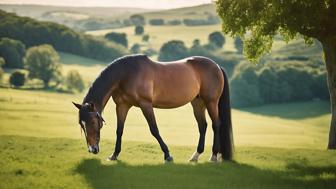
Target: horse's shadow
(203,175)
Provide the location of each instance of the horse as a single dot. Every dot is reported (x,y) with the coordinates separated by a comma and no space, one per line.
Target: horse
(136,80)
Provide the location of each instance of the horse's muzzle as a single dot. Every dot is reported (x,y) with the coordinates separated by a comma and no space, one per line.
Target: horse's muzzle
(93,149)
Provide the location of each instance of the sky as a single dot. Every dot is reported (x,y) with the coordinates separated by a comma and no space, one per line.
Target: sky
(148,4)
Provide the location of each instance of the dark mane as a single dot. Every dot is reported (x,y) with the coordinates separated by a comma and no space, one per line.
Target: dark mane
(108,75)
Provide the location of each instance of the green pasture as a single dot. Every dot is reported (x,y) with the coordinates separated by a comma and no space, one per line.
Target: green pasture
(277,146)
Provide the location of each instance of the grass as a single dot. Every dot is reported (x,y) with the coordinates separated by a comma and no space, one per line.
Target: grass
(29,162)
(277,146)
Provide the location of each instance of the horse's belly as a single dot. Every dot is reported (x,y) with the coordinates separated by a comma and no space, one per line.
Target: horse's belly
(175,92)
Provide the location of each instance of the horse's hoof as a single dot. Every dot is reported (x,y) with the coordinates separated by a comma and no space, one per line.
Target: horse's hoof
(112,158)
(194,157)
(193,160)
(213,158)
(169,159)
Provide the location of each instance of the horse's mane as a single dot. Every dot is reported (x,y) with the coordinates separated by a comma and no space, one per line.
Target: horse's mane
(108,74)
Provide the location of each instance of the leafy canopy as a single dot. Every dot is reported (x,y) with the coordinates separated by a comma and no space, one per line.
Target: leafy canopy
(258,21)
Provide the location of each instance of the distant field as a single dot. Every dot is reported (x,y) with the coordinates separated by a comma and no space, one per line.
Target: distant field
(161,34)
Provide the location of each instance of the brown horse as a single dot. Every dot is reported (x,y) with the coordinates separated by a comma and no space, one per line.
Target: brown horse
(138,81)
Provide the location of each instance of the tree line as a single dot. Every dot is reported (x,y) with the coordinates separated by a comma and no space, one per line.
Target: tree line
(31,33)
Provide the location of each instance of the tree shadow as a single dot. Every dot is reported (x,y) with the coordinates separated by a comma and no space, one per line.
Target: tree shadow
(298,110)
(203,175)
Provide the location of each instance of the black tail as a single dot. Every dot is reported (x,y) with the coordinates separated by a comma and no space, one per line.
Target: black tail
(225,130)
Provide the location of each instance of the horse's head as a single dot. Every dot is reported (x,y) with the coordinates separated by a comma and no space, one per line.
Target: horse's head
(91,122)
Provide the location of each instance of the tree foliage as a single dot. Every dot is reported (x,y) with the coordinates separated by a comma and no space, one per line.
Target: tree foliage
(74,81)
(62,38)
(17,79)
(135,49)
(137,20)
(12,51)
(42,62)
(173,50)
(278,82)
(266,18)
(120,38)
(216,39)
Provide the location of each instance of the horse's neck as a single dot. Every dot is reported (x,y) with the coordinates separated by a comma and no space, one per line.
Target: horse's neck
(101,90)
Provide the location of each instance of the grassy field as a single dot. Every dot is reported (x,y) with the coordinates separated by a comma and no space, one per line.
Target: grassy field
(278,146)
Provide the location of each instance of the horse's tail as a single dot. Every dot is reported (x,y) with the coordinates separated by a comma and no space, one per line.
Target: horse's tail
(225,130)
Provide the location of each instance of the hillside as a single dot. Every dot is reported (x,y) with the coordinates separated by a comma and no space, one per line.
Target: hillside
(38,11)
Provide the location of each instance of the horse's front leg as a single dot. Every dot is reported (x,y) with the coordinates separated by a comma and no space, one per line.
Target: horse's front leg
(147,110)
(121,110)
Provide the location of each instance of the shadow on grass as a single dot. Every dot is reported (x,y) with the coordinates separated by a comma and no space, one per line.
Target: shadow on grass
(298,110)
(204,175)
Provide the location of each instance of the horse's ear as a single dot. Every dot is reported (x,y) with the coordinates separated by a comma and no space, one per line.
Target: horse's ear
(77,105)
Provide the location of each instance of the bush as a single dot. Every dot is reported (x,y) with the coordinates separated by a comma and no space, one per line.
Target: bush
(74,81)
(156,22)
(173,50)
(145,38)
(119,38)
(139,30)
(17,79)
(216,39)
(42,63)
(135,49)
(12,51)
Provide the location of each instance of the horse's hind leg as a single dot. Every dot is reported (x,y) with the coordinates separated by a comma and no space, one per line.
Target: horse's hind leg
(147,110)
(212,107)
(199,113)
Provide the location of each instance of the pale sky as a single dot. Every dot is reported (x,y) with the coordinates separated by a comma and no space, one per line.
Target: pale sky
(149,4)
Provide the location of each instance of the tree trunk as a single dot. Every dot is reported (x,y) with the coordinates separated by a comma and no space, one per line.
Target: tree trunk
(329,49)
(46,83)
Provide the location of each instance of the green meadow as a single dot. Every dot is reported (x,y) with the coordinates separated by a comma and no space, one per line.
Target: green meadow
(276,146)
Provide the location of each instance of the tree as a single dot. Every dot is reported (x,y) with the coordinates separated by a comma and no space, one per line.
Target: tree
(263,19)
(135,49)
(139,30)
(42,63)
(173,50)
(12,51)
(137,20)
(74,81)
(216,39)
(17,79)
(120,38)
(238,43)
(2,62)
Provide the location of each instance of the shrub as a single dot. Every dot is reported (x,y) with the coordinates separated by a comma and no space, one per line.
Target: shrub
(17,79)
(139,30)
(135,49)
(74,81)
(145,37)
